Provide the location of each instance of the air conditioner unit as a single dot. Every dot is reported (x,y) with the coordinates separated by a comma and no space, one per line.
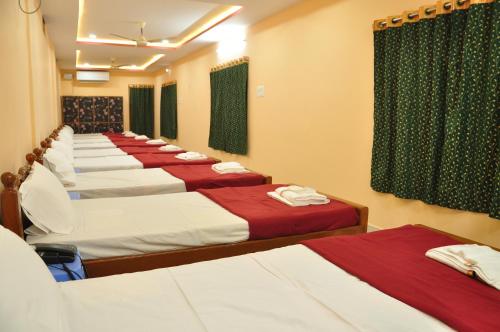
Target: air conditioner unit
(92,76)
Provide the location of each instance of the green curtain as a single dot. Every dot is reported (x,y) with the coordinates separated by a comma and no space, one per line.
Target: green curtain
(436,110)
(168,111)
(228,115)
(141,102)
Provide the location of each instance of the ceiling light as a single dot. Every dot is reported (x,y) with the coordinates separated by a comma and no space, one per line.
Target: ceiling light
(92,36)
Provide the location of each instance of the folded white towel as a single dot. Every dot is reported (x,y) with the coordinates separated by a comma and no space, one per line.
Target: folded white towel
(155,141)
(129,134)
(229,167)
(191,156)
(170,148)
(467,258)
(298,196)
(141,137)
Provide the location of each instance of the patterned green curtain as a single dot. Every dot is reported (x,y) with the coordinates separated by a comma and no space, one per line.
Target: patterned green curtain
(168,111)
(141,102)
(228,117)
(436,110)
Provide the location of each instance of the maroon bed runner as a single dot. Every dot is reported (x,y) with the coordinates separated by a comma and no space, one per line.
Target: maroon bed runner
(394,262)
(203,177)
(147,149)
(267,218)
(156,160)
(135,143)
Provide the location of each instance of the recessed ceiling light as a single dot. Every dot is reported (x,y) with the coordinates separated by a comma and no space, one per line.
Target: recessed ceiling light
(92,36)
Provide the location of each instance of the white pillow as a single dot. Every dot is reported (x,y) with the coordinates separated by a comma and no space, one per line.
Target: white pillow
(65,138)
(46,202)
(64,148)
(68,129)
(31,300)
(57,162)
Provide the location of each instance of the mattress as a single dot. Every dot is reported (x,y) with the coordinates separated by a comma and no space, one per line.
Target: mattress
(123,183)
(108,163)
(286,289)
(96,145)
(135,225)
(98,153)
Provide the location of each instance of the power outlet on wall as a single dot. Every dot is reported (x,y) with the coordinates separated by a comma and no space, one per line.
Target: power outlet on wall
(261,91)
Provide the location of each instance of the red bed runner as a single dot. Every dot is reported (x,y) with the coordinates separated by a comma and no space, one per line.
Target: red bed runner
(394,262)
(148,149)
(156,160)
(135,143)
(268,218)
(203,177)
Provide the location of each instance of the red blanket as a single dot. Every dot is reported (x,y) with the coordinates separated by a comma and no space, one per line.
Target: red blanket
(135,143)
(203,177)
(394,262)
(148,149)
(156,160)
(268,218)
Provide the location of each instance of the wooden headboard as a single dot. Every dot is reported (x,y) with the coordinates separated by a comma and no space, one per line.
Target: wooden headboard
(9,198)
(10,207)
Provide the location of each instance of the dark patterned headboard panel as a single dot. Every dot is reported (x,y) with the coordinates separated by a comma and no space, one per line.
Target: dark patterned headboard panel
(93,114)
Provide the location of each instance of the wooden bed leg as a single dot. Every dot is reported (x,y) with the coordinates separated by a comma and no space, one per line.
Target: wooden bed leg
(11,210)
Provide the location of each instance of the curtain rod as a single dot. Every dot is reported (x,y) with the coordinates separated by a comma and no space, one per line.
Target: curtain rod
(141,86)
(168,83)
(231,63)
(441,7)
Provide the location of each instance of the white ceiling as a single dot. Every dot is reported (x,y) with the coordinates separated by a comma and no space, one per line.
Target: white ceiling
(164,18)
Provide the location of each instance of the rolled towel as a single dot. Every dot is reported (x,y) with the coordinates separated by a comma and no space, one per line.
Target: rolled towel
(191,156)
(170,148)
(470,259)
(141,137)
(229,167)
(155,141)
(298,196)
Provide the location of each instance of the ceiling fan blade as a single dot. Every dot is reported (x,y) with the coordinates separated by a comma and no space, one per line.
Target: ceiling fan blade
(123,37)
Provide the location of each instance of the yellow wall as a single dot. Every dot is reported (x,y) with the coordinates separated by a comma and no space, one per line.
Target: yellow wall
(116,86)
(27,71)
(314,126)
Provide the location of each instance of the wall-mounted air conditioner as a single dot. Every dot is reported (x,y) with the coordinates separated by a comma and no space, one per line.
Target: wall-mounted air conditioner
(92,76)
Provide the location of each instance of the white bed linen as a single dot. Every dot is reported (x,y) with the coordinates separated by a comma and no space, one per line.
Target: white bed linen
(123,183)
(143,224)
(97,145)
(92,140)
(88,135)
(98,153)
(109,163)
(286,289)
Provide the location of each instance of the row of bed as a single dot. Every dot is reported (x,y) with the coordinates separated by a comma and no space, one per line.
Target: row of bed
(262,265)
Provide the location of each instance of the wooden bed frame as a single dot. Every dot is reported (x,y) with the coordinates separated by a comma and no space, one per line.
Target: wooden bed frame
(13,220)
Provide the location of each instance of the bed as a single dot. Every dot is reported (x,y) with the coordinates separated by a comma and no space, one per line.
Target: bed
(155,181)
(287,289)
(203,225)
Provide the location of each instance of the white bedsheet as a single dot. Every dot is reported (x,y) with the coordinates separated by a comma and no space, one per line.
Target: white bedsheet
(92,140)
(97,145)
(109,163)
(98,153)
(123,183)
(136,225)
(83,136)
(286,289)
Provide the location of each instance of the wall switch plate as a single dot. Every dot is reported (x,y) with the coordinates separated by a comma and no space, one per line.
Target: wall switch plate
(261,91)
